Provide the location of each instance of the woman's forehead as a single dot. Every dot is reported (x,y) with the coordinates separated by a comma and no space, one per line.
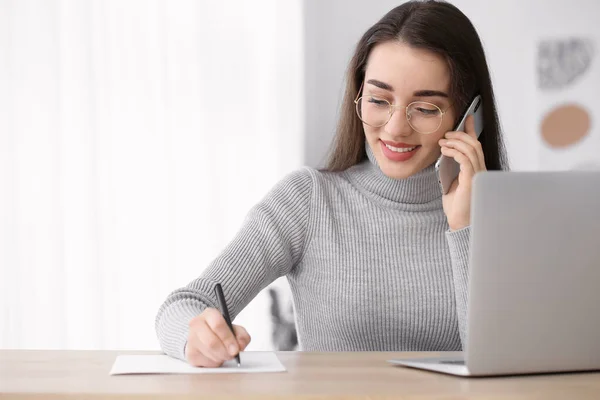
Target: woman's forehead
(407,68)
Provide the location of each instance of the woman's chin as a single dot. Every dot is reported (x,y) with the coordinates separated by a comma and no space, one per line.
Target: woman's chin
(397,171)
(403,169)
(400,168)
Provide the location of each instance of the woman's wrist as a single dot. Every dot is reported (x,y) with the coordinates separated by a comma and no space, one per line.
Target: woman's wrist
(458,226)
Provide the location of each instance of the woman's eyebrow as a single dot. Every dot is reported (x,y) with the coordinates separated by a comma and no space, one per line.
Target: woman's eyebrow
(429,93)
(381,85)
(418,93)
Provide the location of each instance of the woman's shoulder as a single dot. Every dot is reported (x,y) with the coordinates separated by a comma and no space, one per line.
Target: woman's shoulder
(305,182)
(309,177)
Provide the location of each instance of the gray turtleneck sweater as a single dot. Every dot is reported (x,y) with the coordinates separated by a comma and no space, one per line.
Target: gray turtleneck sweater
(370,260)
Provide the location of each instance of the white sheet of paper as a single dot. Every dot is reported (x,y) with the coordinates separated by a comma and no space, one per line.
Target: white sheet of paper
(251,362)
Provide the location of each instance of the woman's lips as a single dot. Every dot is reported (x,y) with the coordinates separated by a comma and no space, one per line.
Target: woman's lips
(403,155)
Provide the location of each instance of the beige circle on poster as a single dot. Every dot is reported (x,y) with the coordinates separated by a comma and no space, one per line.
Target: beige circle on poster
(565,125)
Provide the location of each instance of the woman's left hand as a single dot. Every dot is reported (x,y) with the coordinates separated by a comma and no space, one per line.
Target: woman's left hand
(467,151)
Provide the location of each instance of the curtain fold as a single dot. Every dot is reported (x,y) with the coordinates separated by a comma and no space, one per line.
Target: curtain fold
(134,137)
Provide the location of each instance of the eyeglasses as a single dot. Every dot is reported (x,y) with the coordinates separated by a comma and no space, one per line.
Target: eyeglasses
(422,116)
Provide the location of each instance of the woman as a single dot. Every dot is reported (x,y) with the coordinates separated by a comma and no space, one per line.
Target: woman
(376,257)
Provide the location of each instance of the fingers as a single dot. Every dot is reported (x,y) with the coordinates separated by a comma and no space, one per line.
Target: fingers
(464,148)
(465,163)
(211,342)
(196,358)
(216,322)
(243,338)
(467,144)
(469,136)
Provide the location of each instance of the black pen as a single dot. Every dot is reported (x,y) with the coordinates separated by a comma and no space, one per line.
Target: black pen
(225,313)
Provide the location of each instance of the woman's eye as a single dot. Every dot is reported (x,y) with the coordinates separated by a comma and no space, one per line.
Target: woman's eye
(428,111)
(377,102)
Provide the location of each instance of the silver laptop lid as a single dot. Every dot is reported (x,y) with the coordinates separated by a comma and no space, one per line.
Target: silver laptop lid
(534,291)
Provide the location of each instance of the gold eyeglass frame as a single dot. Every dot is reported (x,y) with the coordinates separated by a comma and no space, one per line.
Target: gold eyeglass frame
(392,110)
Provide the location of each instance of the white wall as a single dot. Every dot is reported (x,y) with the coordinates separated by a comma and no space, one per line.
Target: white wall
(509,30)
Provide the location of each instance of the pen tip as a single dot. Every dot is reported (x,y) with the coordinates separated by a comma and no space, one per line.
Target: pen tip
(239,365)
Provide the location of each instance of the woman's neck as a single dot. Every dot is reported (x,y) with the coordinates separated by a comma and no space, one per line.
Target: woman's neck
(419,188)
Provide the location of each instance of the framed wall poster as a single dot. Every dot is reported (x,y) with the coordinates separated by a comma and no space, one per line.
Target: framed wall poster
(568,80)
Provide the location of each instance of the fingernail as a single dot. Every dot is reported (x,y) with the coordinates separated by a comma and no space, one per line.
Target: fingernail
(232,350)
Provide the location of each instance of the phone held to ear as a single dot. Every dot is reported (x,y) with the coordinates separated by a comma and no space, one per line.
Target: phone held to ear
(446,167)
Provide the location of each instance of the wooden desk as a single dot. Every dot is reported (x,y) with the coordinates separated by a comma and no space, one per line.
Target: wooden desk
(84,375)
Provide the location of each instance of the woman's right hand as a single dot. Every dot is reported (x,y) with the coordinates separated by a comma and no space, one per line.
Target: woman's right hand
(210,341)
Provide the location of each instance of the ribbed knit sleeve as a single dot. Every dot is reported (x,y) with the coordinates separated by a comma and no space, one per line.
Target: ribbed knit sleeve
(268,246)
(459,243)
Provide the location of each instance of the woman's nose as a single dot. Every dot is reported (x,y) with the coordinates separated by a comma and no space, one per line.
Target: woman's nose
(398,124)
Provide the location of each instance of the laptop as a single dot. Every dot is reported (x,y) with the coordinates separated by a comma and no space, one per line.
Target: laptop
(534,276)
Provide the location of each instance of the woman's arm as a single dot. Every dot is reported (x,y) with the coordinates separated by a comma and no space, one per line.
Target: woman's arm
(269,244)
(458,242)
(466,149)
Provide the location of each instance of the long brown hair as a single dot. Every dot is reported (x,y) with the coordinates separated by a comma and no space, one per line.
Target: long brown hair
(439,27)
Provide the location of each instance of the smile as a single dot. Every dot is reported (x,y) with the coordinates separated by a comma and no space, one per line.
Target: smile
(400,149)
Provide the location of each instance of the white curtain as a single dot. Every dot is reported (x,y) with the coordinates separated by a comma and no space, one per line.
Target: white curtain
(134,137)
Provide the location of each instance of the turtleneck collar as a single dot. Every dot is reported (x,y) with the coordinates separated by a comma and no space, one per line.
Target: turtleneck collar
(421,188)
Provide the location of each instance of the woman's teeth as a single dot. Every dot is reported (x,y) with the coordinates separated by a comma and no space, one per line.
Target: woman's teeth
(400,149)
